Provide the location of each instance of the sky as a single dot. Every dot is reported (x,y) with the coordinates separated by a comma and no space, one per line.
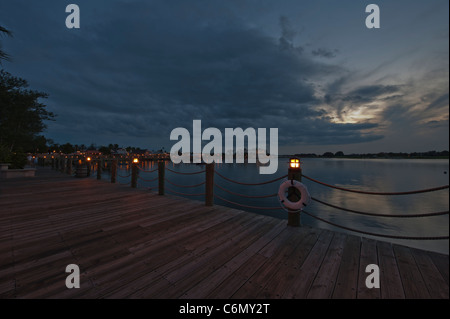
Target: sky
(136,70)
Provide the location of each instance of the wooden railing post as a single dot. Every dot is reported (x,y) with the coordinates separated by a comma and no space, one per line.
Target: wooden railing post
(209,185)
(134,174)
(99,169)
(69,166)
(161,172)
(53,163)
(63,165)
(56,164)
(113,170)
(294,195)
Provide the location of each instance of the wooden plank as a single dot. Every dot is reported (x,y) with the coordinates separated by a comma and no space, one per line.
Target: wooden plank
(288,268)
(308,270)
(168,261)
(228,287)
(323,285)
(437,287)
(193,273)
(347,279)
(207,285)
(413,283)
(441,263)
(369,256)
(274,253)
(390,281)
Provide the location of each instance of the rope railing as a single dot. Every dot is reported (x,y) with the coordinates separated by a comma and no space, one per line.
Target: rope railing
(184,173)
(380,215)
(184,186)
(209,195)
(377,193)
(375,234)
(250,184)
(246,206)
(242,195)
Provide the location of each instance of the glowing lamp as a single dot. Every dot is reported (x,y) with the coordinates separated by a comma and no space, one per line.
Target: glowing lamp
(88,159)
(135,160)
(294,163)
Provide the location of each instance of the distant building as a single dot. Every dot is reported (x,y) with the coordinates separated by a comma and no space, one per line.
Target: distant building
(93,153)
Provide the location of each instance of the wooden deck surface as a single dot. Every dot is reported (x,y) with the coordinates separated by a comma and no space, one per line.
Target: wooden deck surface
(131,243)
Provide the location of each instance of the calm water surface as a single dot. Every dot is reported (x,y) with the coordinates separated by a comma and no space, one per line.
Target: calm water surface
(376,175)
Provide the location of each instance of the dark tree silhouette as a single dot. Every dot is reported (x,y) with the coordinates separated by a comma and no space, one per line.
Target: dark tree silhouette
(22,116)
(3,54)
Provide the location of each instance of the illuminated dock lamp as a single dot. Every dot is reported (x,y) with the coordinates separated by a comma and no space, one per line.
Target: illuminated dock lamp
(135,160)
(88,159)
(294,163)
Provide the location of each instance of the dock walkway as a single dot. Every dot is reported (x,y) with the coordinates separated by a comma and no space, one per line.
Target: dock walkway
(131,243)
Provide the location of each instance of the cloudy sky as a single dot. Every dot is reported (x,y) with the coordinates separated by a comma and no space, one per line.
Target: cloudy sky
(135,70)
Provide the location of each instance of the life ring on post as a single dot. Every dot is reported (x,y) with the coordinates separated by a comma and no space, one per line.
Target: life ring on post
(304,199)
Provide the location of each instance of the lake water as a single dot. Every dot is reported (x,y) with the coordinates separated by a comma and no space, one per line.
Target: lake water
(375,175)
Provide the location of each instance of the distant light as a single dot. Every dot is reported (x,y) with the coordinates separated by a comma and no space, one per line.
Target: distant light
(135,161)
(294,163)
(88,159)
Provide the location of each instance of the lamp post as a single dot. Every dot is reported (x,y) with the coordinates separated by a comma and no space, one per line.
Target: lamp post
(294,173)
(134,172)
(88,164)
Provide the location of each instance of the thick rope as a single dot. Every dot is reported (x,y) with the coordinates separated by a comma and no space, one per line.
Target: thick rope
(247,206)
(380,215)
(242,195)
(373,234)
(193,173)
(250,184)
(377,193)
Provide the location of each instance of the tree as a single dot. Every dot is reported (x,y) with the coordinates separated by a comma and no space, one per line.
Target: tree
(67,148)
(40,144)
(339,153)
(4,55)
(105,150)
(22,116)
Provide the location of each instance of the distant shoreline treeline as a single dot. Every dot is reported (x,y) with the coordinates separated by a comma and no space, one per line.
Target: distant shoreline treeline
(381,155)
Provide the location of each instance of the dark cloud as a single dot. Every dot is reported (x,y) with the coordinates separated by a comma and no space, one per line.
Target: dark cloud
(440,102)
(136,76)
(325,53)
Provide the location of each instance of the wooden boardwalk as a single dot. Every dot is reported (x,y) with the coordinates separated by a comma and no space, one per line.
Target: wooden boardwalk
(131,243)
